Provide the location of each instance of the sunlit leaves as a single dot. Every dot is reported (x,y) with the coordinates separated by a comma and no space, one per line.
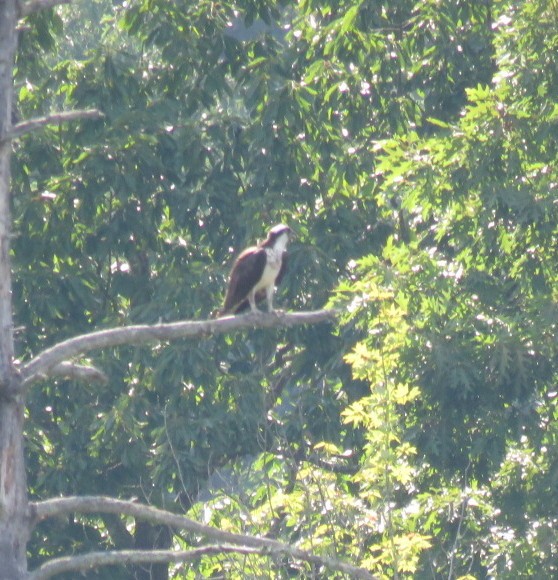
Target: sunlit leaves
(478,196)
(412,148)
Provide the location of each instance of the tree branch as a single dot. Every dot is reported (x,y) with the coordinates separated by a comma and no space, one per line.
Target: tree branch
(42,364)
(94,560)
(69,370)
(25,127)
(32,6)
(98,504)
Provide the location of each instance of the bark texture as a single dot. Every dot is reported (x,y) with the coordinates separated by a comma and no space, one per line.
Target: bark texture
(8,21)
(14,524)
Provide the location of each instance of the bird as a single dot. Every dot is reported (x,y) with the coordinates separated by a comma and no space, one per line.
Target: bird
(256,272)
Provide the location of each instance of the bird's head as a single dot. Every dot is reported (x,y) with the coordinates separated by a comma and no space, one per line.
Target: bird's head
(278,236)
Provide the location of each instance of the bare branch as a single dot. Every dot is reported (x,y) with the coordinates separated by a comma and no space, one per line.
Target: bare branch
(69,370)
(98,504)
(33,124)
(32,6)
(143,334)
(95,560)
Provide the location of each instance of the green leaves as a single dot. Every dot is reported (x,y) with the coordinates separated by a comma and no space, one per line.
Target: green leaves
(412,148)
(471,280)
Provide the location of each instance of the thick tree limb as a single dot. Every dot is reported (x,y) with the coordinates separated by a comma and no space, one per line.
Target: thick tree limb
(32,6)
(98,504)
(42,364)
(63,117)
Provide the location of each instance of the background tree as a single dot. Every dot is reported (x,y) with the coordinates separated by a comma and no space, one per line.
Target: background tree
(16,518)
(411,147)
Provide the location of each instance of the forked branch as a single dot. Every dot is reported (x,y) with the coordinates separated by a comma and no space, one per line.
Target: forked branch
(98,504)
(41,365)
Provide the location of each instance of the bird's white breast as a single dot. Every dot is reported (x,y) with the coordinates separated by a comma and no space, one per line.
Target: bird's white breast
(271,270)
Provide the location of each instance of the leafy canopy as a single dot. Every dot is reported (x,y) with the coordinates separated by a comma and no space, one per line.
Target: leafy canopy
(412,146)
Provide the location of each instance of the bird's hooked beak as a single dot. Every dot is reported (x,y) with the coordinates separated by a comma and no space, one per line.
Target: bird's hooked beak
(292,233)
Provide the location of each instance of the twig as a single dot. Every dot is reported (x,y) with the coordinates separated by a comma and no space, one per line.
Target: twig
(464,503)
(98,504)
(457,538)
(25,127)
(143,334)
(175,456)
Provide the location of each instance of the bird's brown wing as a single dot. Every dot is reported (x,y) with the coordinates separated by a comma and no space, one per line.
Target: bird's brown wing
(260,295)
(245,273)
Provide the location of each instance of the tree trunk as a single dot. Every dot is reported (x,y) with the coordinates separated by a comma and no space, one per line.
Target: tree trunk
(14,525)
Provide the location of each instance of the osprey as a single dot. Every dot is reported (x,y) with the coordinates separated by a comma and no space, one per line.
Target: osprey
(256,272)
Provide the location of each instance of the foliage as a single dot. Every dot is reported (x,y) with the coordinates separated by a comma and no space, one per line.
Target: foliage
(386,476)
(411,145)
